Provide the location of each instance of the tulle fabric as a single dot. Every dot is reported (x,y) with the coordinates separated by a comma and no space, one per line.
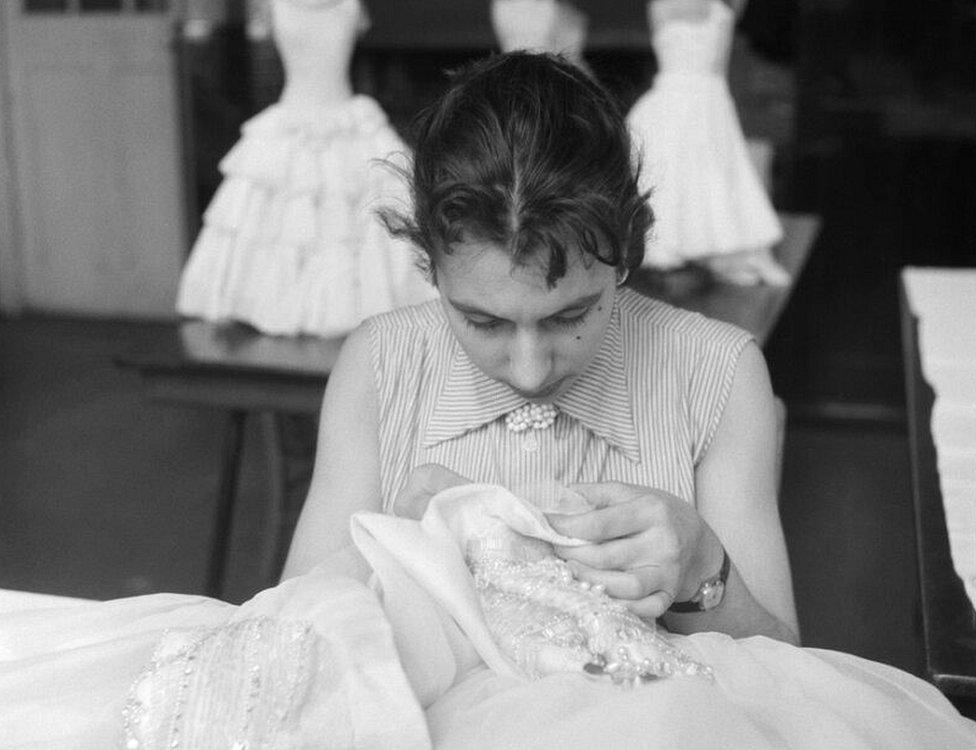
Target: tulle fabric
(291,243)
(706,194)
(424,668)
(762,694)
(66,675)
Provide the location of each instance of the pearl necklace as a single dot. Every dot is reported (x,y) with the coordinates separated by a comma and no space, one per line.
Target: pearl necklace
(534,416)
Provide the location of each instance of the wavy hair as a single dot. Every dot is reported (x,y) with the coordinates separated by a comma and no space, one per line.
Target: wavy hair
(528,152)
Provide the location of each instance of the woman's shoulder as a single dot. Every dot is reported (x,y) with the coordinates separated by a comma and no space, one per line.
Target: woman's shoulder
(654,321)
(421,320)
(405,338)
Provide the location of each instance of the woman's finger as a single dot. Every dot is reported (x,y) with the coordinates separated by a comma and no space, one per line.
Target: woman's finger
(632,585)
(604,494)
(653,606)
(612,522)
(617,554)
(616,583)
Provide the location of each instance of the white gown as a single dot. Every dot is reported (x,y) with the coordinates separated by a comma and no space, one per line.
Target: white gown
(318,662)
(291,243)
(707,197)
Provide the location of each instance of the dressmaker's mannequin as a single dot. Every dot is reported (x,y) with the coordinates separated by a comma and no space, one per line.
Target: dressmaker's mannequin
(316,46)
(710,205)
(291,243)
(555,26)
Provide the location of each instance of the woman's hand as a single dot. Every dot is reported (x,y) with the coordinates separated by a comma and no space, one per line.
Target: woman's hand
(424,482)
(649,548)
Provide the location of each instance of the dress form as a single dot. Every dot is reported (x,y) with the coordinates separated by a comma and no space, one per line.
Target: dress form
(316,49)
(291,243)
(554,26)
(711,207)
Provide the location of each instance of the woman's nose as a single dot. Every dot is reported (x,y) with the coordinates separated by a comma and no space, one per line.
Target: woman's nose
(530,363)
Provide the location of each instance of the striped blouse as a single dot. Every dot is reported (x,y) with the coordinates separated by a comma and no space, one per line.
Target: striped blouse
(644,411)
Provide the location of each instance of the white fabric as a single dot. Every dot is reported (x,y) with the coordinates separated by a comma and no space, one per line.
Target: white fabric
(765,694)
(944,301)
(540,25)
(291,243)
(65,673)
(11,601)
(707,197)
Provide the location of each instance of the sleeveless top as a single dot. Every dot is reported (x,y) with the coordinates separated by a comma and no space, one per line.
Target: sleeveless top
(644,411)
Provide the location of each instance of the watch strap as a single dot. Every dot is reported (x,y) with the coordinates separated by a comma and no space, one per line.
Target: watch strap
(695,603)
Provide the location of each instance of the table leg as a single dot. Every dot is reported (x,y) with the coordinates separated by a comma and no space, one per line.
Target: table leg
(277,496)
(226,493)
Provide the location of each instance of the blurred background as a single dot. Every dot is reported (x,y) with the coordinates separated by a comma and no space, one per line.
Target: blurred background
(114,115)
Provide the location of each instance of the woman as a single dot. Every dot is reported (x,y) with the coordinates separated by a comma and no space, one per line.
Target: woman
(536,370)
(645,432)
(529,211)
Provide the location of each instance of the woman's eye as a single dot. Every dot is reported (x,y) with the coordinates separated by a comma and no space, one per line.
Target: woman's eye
(483,324)
(569,321)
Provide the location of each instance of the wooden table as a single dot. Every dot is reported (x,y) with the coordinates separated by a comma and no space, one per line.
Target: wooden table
(754,308)
(948,618)
(235,368)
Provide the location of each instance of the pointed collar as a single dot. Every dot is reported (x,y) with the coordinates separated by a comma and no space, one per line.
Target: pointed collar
(598,399)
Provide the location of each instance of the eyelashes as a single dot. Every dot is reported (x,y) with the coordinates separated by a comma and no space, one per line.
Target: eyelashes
(558,322)
(568,322)
(485,326)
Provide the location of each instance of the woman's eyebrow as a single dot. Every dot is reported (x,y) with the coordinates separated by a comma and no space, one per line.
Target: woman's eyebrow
(585,301)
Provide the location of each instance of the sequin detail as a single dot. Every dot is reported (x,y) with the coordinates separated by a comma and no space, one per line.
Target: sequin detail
(238,686)
(534,416)
(546,620)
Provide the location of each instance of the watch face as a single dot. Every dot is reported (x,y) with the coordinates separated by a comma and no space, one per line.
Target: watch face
(711,594)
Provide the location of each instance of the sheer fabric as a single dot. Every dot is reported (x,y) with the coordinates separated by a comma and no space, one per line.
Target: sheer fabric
(318,662)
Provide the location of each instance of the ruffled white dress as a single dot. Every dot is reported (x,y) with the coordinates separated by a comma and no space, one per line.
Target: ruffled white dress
(471,648)
(291,242)
(706,194)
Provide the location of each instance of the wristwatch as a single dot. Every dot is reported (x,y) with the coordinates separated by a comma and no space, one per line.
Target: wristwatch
(709,594)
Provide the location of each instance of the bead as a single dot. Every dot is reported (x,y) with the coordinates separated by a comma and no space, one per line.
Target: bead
(257,669)
(534,416)
(532,601)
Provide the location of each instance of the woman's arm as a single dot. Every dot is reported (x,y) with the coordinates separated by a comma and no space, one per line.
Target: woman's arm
(346,477)
(737,496)
(650,548)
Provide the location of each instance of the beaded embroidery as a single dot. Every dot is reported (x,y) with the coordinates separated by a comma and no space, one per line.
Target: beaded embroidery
(547,621)
(238,686)
(535,416)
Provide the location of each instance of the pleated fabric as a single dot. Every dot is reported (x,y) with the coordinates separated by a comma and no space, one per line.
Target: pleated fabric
(291,242)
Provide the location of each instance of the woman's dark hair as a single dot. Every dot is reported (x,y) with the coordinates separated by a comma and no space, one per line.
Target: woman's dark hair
(526,151)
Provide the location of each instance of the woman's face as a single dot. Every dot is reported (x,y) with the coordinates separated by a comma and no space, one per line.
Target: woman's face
(517,330)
